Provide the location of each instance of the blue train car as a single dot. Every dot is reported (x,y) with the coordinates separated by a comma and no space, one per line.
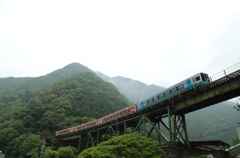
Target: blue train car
(194,81)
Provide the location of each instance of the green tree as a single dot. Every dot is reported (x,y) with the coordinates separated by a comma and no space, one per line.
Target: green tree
(67,152)
(17,143)
(128,145)
(31,146)
(7,135)
(50,154)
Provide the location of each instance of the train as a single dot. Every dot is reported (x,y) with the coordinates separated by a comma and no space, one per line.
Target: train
(188,84)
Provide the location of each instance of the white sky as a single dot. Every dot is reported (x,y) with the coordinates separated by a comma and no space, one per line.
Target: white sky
(155,42)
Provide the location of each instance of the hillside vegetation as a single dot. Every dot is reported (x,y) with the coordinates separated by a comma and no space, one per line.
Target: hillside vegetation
(80,97)
(24,88)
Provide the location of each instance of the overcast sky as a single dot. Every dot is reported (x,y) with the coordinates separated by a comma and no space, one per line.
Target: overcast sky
(155,42)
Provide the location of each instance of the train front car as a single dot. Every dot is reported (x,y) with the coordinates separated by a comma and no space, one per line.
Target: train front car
(183,86)
(198,80)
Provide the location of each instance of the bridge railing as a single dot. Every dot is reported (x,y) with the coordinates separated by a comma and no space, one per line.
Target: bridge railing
(225,72)
(233,147)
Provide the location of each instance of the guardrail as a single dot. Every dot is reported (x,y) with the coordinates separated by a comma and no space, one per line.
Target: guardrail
(233,147)
(225,72)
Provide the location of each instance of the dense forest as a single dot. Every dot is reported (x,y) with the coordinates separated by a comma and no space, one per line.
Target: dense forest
(40,106)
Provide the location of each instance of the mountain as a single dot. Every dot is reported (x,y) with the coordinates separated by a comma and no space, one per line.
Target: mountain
(68,97)
(217,122)
(134,91)
(75,97)
(17,92)
(26,88)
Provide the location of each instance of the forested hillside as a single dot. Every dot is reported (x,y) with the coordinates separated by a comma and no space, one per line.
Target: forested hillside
(68,97)
(25,88)
(217,122)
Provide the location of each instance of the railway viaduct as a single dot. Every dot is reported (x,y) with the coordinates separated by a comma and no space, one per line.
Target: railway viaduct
(165,121)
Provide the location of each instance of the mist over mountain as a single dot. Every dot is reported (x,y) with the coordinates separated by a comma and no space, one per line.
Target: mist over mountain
(216,122)
(134,91)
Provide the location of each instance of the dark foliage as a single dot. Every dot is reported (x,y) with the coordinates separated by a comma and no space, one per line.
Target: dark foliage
(42,105)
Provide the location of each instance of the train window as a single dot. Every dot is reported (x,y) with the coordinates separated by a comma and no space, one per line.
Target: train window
(173,90)
(198,78)
(150,100)
(193,80)
(156,98)
(180,87)
(161,95)
(203,77)
(167,93)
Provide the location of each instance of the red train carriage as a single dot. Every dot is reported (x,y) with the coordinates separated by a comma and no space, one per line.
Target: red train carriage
(110,117)
(65,131)
(118,114)
(86,125)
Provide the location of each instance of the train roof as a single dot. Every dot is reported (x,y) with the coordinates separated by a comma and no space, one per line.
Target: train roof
(171,87)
